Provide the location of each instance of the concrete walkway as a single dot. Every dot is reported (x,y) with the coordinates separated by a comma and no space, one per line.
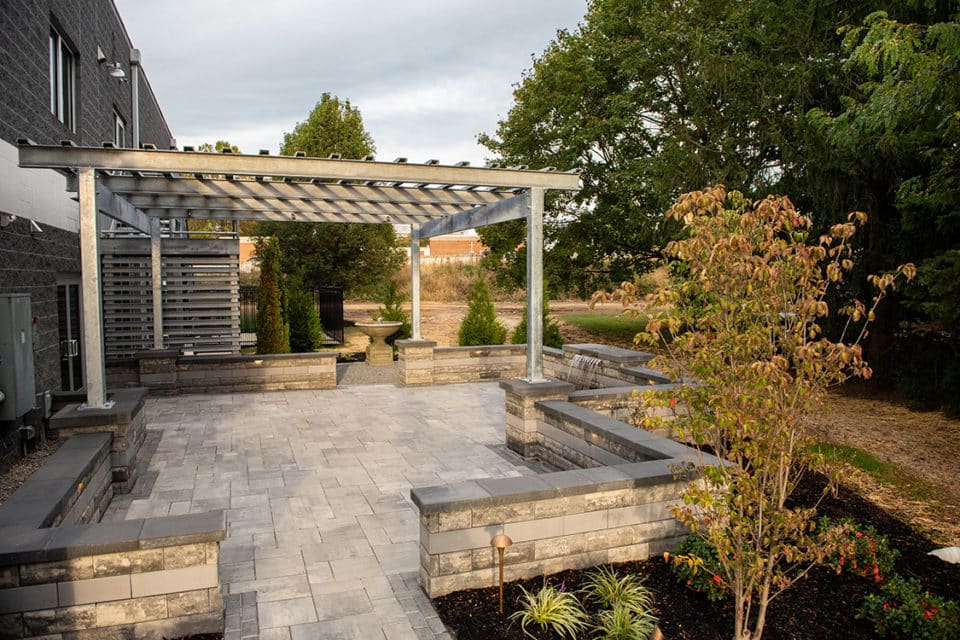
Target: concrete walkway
(316,484)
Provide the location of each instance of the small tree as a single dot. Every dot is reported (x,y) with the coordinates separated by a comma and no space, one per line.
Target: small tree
(745,322)
(551,330)
(480,325)
(306,332)
(273,334)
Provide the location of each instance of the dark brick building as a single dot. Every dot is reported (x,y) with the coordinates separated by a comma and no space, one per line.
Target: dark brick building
(56,59)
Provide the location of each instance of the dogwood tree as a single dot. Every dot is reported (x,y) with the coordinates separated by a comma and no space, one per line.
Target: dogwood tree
(744,323)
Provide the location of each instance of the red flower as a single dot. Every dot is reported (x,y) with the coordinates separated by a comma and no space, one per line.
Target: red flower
(673,402)
(716,578)
(858,534)
(928,615)
(886,606)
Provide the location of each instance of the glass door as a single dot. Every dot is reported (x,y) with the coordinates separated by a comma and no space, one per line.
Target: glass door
(71,345)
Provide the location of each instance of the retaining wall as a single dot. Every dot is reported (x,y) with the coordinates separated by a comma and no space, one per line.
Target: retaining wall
(169,373)
(151,578)
(614,510)
(422,362)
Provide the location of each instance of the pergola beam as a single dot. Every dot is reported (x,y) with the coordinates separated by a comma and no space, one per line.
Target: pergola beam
(118,208)
(272,215)
(316,192)
(512,209)
(52,157)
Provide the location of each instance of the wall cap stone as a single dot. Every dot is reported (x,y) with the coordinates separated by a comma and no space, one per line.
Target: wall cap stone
(127,404)
(526,389)
(616,355)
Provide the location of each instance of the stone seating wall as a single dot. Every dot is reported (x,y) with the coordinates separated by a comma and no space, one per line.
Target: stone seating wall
(169,373)
(65,575)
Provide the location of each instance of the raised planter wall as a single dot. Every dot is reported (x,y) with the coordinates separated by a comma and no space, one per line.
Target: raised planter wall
(169,373)
(614,510)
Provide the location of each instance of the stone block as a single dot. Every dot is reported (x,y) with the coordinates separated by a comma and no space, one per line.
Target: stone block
(461,540)
(9,577)
(127,562)
(174,580)
(11,626)
(189,555)
(500,514)
(63,619)
(188,603)
(455,562)
(185,626)
(452,520)
(534,529)
(127,612)
(29,598)
(61,571)
(94,590)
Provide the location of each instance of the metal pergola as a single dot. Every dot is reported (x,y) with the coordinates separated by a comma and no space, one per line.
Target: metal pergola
(139,187)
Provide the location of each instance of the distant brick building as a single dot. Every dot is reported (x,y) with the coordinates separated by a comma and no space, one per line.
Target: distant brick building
(58,83)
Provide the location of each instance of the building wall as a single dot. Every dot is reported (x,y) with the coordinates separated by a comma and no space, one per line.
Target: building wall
(32,262)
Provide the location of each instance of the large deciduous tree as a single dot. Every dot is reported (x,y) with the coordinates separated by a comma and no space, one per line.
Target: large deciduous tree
(358,257)
(651,98)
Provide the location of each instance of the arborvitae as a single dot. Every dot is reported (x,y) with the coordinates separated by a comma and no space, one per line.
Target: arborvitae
(480,326)
(551,330)
(306,332)
(273,334)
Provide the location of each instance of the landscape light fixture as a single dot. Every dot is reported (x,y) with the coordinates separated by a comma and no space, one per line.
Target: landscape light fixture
(501,542)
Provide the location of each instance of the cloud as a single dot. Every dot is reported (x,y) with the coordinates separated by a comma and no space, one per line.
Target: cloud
(427,75)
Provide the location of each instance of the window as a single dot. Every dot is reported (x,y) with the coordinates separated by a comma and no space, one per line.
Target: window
(62,80)
(119,131)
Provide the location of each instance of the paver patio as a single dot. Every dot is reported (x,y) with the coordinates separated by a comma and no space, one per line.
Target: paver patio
(316,486)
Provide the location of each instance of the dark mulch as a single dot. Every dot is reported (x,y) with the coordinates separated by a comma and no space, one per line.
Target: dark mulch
(820,606)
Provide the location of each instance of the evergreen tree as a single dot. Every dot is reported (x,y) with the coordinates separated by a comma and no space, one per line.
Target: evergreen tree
(551,330)
(273,334)
(306,332)
(480,326)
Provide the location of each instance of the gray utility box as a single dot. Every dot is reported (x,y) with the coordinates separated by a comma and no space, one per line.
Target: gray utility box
(16,356)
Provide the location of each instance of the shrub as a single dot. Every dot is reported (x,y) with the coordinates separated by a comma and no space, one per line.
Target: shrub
(553,609)
(551,330)
(392,310)
(608,590)
(480,325)
(699,566)
(306,332)
(273,334)
(625,605)
(856,548)
(903,610)
(622,623)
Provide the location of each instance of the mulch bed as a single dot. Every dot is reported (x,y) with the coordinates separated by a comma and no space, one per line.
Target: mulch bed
(820,606)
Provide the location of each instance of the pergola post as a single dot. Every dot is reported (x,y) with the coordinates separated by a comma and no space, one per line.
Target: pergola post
(90,282)
(415,281)
(535,286)
(156,283)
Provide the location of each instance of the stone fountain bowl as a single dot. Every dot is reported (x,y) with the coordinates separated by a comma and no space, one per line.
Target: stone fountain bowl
(378,329)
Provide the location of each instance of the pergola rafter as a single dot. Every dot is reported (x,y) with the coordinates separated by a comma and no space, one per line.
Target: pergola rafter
(139,187)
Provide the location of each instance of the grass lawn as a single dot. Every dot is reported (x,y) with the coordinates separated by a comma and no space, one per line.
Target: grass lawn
(607,327)
(907,483)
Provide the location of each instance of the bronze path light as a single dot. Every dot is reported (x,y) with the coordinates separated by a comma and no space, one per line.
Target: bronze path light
(501,542)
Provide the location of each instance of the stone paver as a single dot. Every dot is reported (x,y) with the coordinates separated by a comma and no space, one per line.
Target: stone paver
(321,535)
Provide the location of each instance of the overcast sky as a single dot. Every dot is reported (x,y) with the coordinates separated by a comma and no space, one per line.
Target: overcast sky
(427,75)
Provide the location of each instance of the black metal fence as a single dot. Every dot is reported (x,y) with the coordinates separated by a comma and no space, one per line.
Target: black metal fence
(328,301)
